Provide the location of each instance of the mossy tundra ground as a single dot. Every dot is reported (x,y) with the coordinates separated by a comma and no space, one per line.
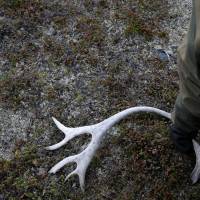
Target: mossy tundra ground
(81,62)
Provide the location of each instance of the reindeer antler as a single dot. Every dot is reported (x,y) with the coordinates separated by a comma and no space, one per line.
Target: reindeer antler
(196,171)
(97,131)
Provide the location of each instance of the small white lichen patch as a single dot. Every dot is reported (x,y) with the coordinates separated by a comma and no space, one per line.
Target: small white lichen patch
(13,127)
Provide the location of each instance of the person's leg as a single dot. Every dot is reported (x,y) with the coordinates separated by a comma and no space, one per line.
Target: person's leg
(186,116)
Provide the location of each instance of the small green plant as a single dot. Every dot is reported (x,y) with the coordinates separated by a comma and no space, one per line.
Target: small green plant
(132,28)
(136,25)
(12,3)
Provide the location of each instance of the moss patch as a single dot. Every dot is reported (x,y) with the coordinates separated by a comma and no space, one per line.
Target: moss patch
(18,88)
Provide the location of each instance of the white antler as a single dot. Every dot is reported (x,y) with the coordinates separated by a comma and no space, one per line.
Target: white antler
(97,131)
(196,171)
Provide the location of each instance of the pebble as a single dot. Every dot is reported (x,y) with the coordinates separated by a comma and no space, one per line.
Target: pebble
(163,55)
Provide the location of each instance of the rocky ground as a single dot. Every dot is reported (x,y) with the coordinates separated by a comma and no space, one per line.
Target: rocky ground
(81,62)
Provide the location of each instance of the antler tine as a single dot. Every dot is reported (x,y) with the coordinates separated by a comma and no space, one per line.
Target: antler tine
(63,162)
(71,174)
(63,128)
(81,178)
(70,133)
(82,181)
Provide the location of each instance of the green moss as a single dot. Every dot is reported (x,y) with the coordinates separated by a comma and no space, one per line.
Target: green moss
(17,178)
(133,27)
(26,14)
(137,23)
(79,97)
(15,85)
(117,88)
(20,177)
(137,26)
(60,21)
(55,50)
(165,91)
(51,93)
(163,34)
(154,6)
(12,3)
(92,32)
(103,3)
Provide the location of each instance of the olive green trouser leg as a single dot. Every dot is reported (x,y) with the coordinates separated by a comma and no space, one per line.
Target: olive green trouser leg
(186,114)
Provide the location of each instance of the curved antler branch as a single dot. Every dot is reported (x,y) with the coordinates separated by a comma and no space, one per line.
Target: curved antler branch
(97,131)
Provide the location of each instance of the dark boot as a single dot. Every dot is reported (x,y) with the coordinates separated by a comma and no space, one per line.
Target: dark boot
(182,140)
